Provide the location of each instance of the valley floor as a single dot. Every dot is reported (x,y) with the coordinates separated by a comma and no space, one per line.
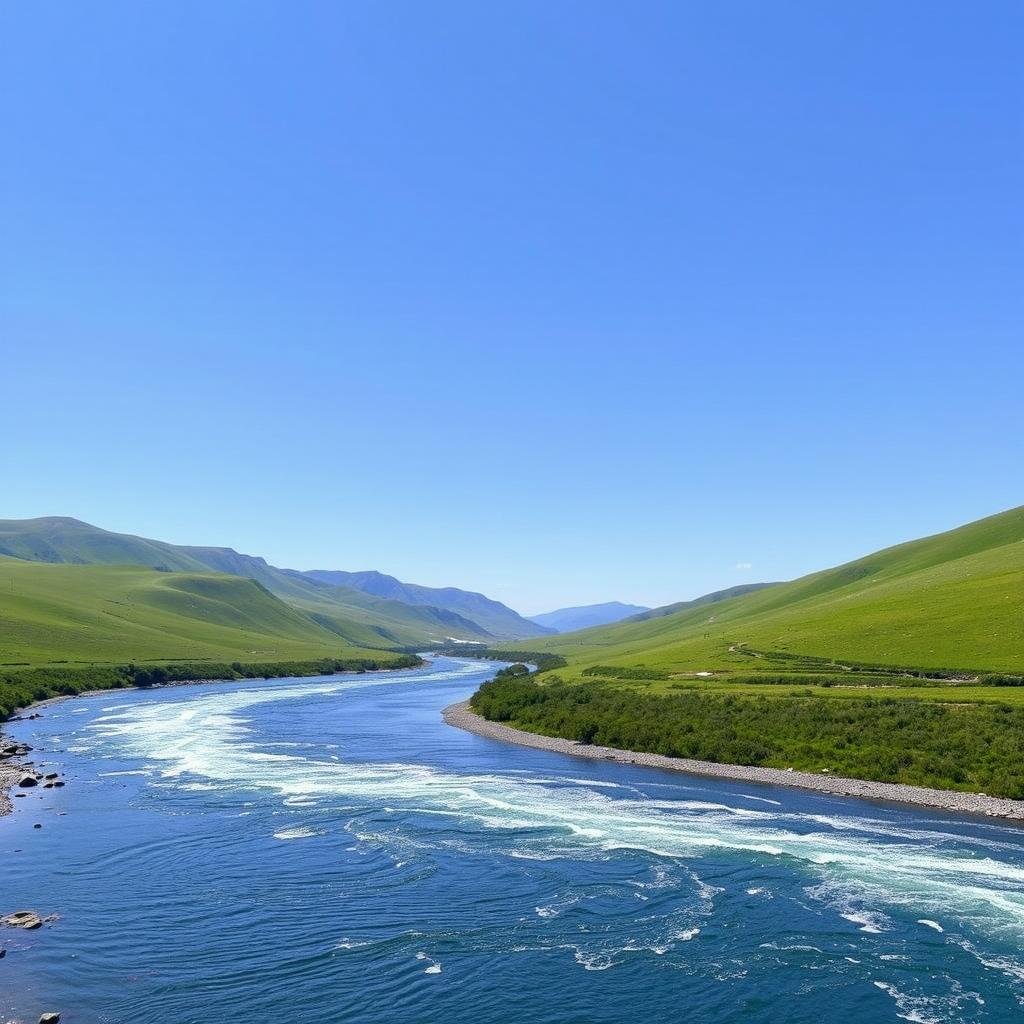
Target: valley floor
(462,716)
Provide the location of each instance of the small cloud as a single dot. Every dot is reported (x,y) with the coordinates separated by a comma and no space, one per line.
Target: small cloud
(744,566)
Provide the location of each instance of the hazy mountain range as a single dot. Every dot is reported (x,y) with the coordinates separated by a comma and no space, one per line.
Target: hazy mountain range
(565,620)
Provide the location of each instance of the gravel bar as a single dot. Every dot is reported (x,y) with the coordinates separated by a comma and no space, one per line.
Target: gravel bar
(462,717)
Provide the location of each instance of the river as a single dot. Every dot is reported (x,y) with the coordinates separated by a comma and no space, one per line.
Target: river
(329,850)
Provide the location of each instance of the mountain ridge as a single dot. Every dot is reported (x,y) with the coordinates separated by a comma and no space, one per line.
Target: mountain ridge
(575,617)
(346,610)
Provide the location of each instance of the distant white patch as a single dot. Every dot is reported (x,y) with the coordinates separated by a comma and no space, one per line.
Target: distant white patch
(296,833)
(435,965)
(866,922)
(744,566)
(931,924)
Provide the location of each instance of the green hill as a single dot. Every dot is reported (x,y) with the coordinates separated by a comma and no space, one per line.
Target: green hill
(356,617)
(91,614)
(952,601)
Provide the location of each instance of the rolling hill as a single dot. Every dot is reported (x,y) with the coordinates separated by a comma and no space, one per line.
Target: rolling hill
(568,620)
(950,601)
(110,614)
(350,613)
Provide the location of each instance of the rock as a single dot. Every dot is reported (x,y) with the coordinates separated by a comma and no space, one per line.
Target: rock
(59,783)
(28,780)
(37,825)
(3,953)
(51,775)
(22,919)
(50,1018)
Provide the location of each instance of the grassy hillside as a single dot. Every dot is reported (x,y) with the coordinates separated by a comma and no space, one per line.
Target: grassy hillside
(903,666)
(84,614)
(953,601)
(350,614)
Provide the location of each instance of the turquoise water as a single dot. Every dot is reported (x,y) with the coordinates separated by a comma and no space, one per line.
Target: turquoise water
(328,850)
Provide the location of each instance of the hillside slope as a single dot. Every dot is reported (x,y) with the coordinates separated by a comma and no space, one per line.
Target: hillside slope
(954,600)
(85,614)
(348,612)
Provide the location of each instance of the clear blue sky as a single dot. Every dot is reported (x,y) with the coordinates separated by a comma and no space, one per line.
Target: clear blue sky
(565,302)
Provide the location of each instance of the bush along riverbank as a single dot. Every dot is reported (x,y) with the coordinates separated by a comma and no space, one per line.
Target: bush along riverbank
(968,747)
(20,687)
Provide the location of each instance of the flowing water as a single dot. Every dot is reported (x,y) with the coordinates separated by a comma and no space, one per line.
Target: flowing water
(328,850)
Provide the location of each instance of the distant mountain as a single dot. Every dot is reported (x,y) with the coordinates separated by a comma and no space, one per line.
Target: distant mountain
(565,620)
(499,620)
(349,613)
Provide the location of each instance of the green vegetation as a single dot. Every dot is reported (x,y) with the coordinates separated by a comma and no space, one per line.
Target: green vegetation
(951,602)
(357,618)
(979,748)
(902,666)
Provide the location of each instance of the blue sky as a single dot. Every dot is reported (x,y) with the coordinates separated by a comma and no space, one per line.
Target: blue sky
(566,302)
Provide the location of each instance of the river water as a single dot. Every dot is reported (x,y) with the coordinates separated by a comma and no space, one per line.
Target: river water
(329,850)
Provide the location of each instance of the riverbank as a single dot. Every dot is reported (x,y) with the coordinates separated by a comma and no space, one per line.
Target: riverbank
(461,716)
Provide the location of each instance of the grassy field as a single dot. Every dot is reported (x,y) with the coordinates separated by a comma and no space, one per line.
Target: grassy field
(954,601)
(902,666)
(355,617)
(99,614)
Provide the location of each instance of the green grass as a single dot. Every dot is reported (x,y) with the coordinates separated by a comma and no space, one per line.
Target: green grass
(946,602)
(357,618)
(97,614)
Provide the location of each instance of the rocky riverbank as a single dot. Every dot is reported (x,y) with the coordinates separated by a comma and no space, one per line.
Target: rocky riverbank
(463,717)
(17,774)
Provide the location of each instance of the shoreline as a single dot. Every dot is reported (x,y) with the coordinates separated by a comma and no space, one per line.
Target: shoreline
(461,716)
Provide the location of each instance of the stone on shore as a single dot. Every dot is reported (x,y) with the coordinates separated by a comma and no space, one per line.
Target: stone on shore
(50,1018)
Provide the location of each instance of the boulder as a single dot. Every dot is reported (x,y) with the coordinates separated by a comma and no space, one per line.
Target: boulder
(22,919)
(28,780)
(50,1018)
